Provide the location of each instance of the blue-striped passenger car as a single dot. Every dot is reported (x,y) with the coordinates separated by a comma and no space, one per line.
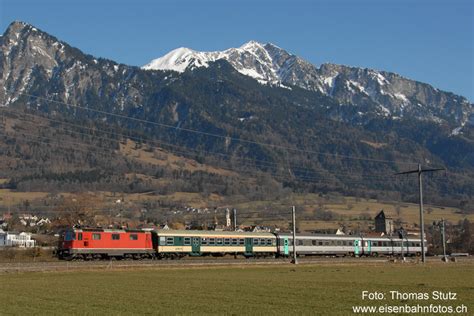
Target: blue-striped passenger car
(348,245)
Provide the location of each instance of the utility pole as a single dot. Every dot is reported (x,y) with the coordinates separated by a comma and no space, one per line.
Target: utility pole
(235,219)
(442,226)
(402,235)
(422,220)
(420,171)
(295,260)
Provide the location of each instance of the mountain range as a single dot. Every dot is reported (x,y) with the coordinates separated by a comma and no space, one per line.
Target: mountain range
(249,108)
(387,94)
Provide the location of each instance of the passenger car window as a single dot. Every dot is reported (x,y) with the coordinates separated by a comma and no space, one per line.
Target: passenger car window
(187,241)
(169,241)
(162,241)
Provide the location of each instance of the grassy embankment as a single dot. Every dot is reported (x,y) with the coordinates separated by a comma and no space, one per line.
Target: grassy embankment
(307,289)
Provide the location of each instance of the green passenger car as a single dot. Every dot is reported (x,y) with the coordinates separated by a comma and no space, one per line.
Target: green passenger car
(179,243)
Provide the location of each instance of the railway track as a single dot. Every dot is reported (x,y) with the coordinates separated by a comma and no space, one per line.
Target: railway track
(18,267)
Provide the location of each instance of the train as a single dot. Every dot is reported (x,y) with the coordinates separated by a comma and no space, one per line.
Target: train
(101,244)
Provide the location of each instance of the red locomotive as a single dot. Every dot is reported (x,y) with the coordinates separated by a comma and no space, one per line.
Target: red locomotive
(98,243)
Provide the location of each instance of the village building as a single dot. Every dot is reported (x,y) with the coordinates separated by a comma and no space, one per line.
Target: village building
(329,231)
(383,224)
(12,239)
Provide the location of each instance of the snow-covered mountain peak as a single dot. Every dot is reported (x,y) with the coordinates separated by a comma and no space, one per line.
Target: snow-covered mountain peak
(253,59)
(250,45)
(177,60)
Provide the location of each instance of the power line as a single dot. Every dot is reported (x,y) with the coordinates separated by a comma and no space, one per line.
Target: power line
(301,170)
(277,176)
(217,135)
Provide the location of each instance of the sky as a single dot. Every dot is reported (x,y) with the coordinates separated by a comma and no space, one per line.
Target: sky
(426,40)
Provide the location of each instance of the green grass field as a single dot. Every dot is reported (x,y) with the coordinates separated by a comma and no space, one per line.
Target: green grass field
(321,289)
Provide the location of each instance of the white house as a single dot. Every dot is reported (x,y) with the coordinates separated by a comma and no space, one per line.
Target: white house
(43,221)
(10,239)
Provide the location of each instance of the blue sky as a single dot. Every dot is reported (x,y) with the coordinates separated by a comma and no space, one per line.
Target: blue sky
(426,40)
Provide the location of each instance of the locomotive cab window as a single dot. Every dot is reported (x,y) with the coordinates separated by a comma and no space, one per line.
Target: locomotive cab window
(70,235)
(133,237)
(115,236)
(95,236)
(79,236)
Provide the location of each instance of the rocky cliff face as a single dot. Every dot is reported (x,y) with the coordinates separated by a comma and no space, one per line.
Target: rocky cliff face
(394,95)
(35,63)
